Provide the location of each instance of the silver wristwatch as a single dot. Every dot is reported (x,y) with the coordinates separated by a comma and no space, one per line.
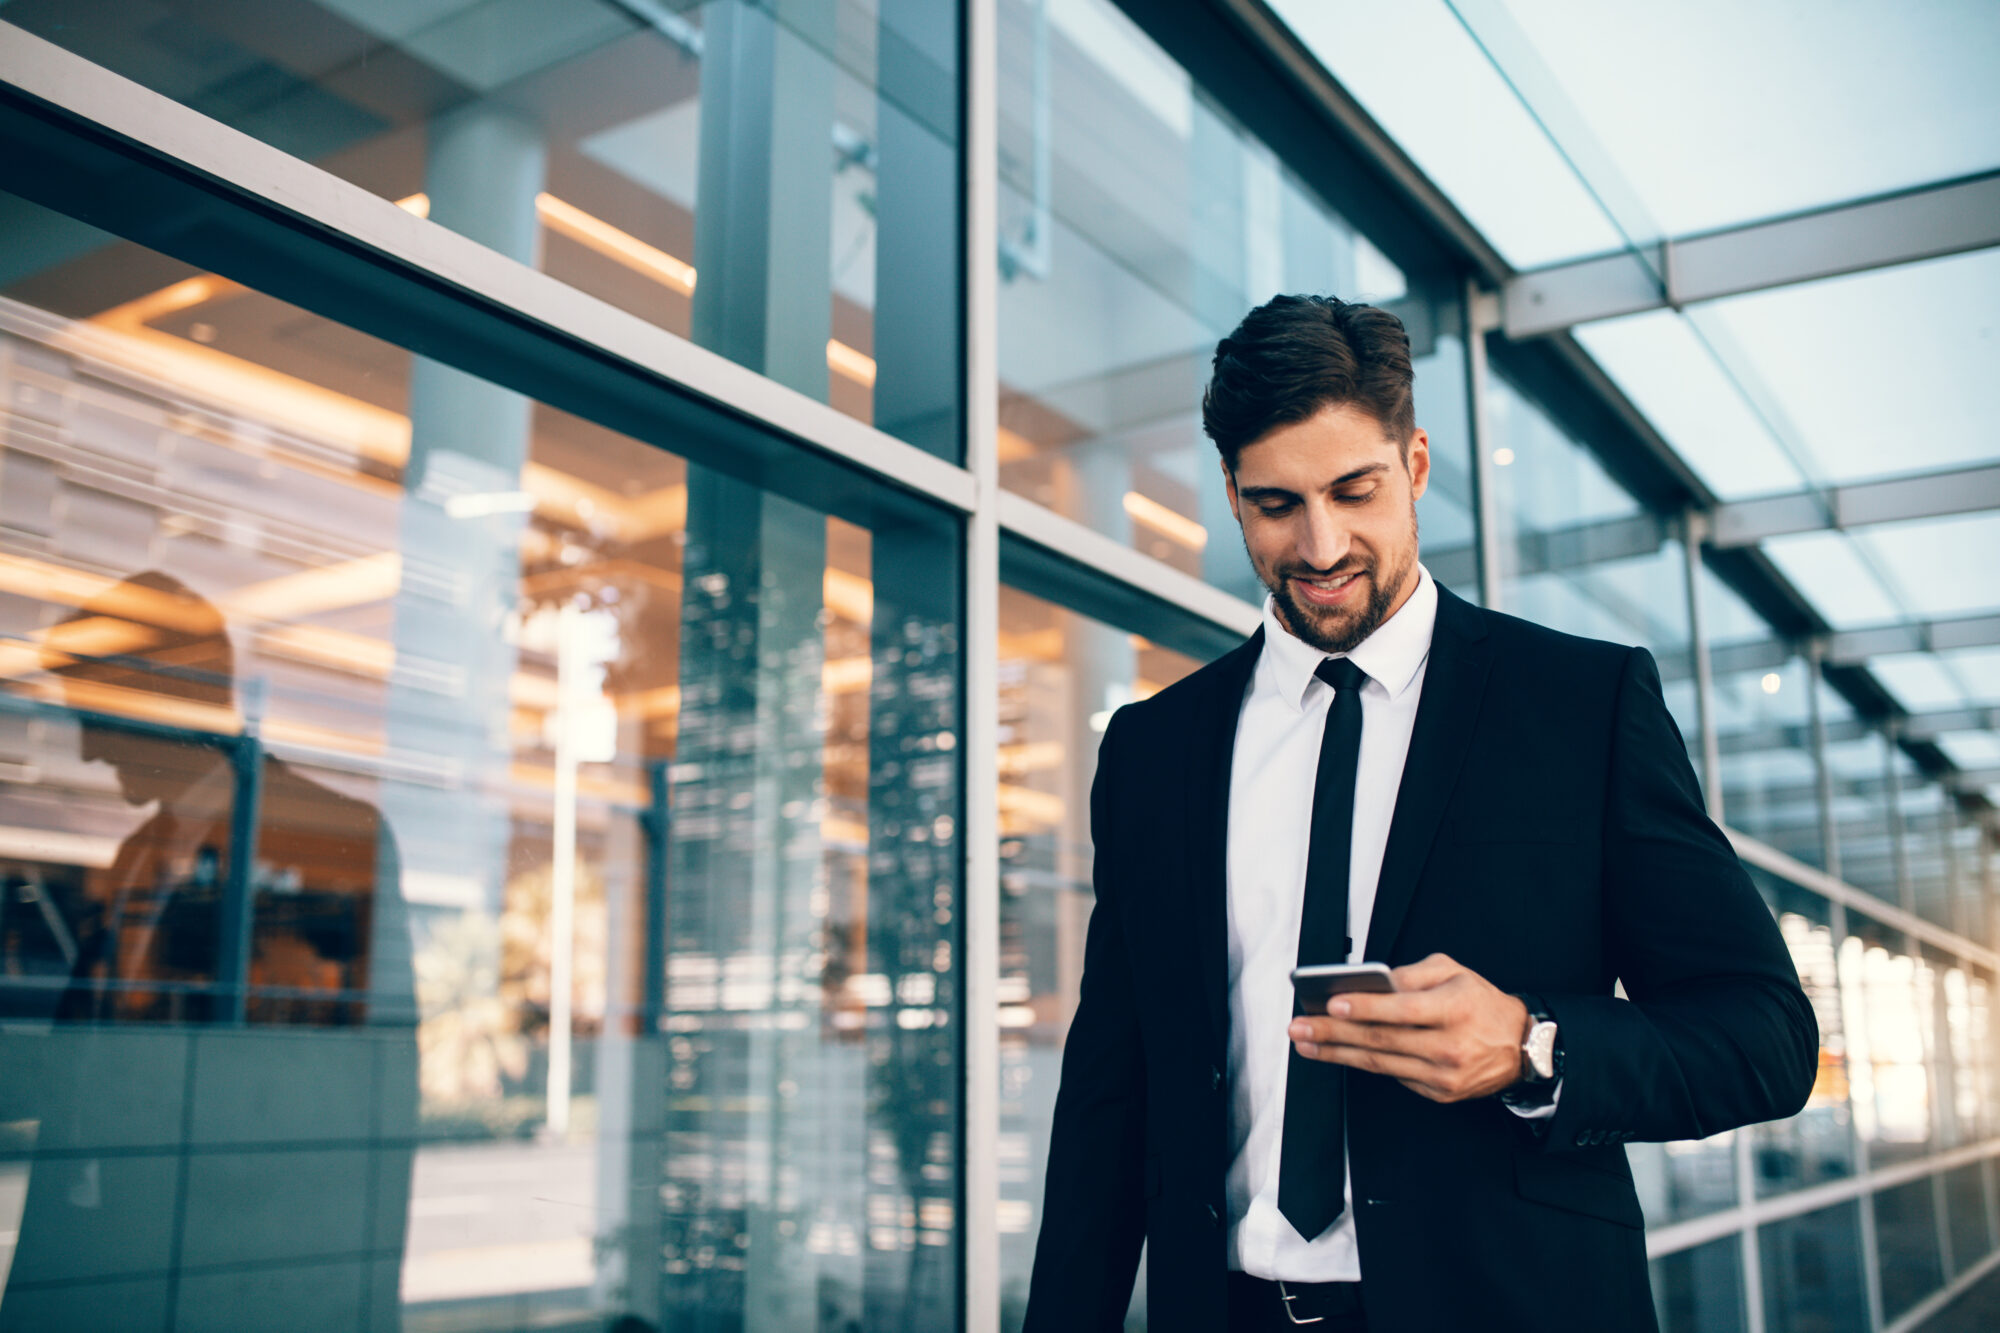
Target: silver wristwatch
(1538,1051)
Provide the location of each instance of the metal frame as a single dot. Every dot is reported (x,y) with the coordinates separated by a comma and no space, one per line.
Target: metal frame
(980,1190)
(1927,223)
(1893,500)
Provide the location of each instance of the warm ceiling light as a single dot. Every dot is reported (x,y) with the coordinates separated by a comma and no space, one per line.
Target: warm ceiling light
(848,596)
(1167,522)
(1014,446)
(595,233)
(420,204)
(1502,457)
(856,365)
(1772,682)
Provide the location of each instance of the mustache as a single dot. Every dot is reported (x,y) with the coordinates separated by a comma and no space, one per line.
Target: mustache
(1338,571)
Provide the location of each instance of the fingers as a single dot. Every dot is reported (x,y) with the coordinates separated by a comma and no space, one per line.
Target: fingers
(1420,1076)
(1430,1044)
(1432,971)
(1349,1032)
(1424,1008)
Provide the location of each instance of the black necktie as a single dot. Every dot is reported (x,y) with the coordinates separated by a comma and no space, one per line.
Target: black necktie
(1312,1166)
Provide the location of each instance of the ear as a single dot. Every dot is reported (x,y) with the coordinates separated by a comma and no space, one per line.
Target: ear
(1419,465)
(1229,485)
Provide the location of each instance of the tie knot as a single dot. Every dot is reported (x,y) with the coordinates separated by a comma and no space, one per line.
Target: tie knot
(1341,673)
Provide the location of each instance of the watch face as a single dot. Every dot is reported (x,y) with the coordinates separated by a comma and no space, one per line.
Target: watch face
(1541,1049)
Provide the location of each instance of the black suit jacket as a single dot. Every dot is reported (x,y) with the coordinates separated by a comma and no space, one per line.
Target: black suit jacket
(1550,835)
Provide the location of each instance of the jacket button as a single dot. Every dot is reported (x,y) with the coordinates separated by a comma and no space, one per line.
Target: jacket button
(1214,1079)
(1214,1214)
(1583,1138)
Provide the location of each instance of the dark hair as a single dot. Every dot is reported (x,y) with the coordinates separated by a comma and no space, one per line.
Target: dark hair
(1294,355)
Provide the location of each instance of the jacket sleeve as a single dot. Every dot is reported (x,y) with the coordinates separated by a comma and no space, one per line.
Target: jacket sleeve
(1093,1206)
(1717,1032)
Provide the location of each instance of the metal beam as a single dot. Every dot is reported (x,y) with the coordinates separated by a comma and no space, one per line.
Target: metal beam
(1850,648)
(1931,495)
(1558,550)
(1915,727)
(1855,646)
(1943,219)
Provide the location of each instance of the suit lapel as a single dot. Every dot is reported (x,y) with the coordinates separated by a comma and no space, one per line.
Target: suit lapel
(1214,745)
(1454,683)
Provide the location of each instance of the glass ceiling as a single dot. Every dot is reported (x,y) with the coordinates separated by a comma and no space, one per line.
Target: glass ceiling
(1546,122)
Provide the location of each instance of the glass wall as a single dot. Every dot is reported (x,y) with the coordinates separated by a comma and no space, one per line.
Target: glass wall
(1061,676)
(1578,552)
(728,170)
(462,865)
(1138,223)
(1817,1145)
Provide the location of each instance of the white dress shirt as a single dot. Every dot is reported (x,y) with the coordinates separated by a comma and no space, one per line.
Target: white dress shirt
(1275,765)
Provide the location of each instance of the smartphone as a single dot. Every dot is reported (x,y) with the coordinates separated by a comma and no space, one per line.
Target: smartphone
(1320,982)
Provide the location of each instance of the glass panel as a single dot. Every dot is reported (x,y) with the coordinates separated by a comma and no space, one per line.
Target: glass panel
(1965,1205)
(1942,567)
(1752,144)
(1863,818)
(1812,1270)
(1929,350)
(1061,676)
(1836,577)
(1762,721)
(1577,553)
(1888,1001)
(1462,123)
(1661,362)
(1139,224)
(1816,1145)
(1906,1238)
(1701,1290)
(773,152)
(1690,1178)
(480,870)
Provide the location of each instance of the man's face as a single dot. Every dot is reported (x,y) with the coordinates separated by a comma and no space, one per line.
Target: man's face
(1328,509)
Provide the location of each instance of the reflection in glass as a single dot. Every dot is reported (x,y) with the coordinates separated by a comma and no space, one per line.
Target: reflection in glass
(1139,223)
(1700,1290)
(1967,1118)
(1684,1179)
(513,869)
(1906,1243)
(1061,677)
(1577,554)
(1888,1000)
(1812,1272)
(1770,783)
(1969,1228)
(728,170)
(1816,1145)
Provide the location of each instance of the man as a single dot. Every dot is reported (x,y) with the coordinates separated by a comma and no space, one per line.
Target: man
(1385,772)
(147,668)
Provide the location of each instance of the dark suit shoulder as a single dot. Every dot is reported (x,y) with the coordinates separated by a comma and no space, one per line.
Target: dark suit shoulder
(1542,645)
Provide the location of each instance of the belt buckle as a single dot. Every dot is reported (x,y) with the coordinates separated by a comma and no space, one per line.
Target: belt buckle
(1288,1297)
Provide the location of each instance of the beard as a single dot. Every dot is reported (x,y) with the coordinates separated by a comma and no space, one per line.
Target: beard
(1341,629)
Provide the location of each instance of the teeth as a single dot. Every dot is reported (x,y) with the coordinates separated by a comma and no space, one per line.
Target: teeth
(1328,585)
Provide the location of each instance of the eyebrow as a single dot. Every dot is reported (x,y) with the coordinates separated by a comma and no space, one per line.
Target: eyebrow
(1280,493)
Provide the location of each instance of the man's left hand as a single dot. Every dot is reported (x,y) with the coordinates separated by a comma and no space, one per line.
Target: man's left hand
(1447,1033)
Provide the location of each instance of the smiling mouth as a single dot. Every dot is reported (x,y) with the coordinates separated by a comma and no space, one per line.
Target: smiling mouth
(1326,592)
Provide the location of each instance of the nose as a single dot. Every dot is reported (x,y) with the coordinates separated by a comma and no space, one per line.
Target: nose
(1325,541)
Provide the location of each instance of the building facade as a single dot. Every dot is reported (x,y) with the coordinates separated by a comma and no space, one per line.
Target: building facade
(563,565)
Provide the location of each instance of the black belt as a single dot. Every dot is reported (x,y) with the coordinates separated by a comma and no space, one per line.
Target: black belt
(1259,1303)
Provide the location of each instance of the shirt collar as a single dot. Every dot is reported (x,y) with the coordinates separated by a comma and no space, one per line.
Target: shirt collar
(1390,656)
